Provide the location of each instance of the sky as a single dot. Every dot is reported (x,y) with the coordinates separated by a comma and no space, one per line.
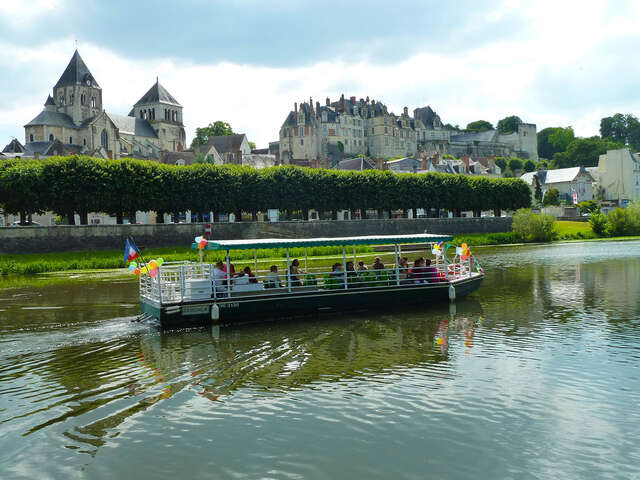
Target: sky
(552,63)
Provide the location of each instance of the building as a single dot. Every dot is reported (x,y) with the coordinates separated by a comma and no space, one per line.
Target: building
(618,176)
(75,117)
(227,148)
(325,134)
(568,181)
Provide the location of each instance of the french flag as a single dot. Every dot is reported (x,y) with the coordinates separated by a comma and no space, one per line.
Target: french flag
(130,251)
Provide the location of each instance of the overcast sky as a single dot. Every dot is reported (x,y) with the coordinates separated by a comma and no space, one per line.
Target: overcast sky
(553,63)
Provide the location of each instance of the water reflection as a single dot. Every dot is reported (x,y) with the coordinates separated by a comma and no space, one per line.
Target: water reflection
(554,331)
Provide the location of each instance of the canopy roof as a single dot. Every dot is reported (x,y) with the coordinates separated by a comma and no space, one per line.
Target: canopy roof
(258,243)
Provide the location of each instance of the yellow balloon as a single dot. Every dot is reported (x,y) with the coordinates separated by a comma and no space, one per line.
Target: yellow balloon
(464,246)
(153,265)
(144,270)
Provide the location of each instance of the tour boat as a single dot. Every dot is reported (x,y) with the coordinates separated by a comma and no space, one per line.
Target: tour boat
(182,294)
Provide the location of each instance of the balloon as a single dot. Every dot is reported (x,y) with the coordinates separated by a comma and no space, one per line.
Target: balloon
(198,239)
(464,246)
(152,265)
(144,270)
(439,341)
(134,264)
(436,247)
(153,273)
(132,267)
(136,271)
(160,261)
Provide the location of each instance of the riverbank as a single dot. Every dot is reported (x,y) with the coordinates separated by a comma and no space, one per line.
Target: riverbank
(34,263)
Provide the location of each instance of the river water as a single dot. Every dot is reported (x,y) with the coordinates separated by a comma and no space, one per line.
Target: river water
(536,375)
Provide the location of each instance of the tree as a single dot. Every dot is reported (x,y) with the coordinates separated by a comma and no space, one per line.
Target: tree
(529,165)
(448,126)
(537,194)
(509,124)
(479,126)
(252,145)
(515,163)
(624,129)
(584,151)
(560,138)
(215,129)
(501,162)
(552,197)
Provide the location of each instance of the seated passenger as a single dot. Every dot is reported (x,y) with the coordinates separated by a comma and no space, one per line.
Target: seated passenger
(361,267)
(377,264)
(337,274)
(272,279)
(294,271)
(351,272)
(252,277)
(219,276)
(241,279)
(431,272)
(403,270)
(418,272)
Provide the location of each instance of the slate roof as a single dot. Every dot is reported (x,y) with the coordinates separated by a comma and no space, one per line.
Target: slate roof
(49,101)
(259,161)
(227,143)
(358,163)
(487,136)
(76,72)
(14,146)
(558,175)
(56,119)
(157,94)
(133,125)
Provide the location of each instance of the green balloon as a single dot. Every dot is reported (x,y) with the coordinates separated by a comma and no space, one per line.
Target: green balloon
(160,261)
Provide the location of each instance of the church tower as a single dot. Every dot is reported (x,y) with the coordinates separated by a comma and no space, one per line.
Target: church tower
(164,113)
(77,93)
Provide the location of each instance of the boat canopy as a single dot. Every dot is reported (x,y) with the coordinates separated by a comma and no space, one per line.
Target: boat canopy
(260,243)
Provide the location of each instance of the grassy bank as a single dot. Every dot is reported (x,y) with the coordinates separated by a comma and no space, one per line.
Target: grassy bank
(110,259)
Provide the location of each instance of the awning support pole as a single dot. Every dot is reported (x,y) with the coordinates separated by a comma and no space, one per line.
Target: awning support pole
(255,261)
(228,275)
(288,272)
(396,248)
(344,266)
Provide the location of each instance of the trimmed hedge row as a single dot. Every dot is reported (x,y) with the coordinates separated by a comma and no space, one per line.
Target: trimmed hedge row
(81,184)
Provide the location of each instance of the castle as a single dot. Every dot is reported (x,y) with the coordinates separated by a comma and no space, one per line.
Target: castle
(323,135)
(74,121)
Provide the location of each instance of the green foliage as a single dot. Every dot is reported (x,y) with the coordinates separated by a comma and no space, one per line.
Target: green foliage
(529,165)
(560,138)
(542,164)
(537,193)
(552,197)
(448,156)
(509,124)
(81,184)
(589,206)
(583,151)
(501,162)
(515,164)
(623,129)
(479,126)
(534,227)
(598,222)
(448,126)
(215,129)
(252,145)
(622,222)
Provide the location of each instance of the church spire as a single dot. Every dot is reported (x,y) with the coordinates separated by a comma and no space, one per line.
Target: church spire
(76,72)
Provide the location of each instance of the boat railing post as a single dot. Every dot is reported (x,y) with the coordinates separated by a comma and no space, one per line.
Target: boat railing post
(159,286)
(344,266)
(212,280)
(228,275)
(182,282)
(288,271)
(397,253)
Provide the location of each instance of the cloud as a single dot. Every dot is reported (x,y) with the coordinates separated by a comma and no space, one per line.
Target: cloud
(551,63)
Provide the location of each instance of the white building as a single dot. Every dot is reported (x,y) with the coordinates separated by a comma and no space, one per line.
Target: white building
(568,181)
(619,176)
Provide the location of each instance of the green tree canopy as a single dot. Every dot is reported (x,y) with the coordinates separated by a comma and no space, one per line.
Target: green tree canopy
(529,165)
(509,124)
(501,162)
(624,129)
(479,126)
(515,163)
(560,138)
(584,151)
(215,129)
(552,197)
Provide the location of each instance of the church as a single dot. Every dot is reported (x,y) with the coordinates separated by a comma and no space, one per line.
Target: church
(74,121)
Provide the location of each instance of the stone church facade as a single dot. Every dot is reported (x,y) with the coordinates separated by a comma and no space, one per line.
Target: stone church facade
(75,117)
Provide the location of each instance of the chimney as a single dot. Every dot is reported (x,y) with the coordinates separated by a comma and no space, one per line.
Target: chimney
(295,107)
(406,111)
(367,98)
(342,102)
(318,108)
(311,106)
(328,102)
(353,100)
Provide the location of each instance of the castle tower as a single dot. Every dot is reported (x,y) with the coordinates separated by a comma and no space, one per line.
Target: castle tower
(164,113)
(77,93)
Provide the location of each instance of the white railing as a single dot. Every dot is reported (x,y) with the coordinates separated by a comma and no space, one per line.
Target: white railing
(178,282)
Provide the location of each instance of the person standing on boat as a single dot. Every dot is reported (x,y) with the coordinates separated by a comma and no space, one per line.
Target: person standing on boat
(219,276)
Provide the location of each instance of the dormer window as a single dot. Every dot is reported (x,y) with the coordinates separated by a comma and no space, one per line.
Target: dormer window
(31,137)
(324,116)
(93,102)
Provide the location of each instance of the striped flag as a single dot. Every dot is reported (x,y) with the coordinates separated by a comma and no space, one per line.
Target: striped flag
(130,251)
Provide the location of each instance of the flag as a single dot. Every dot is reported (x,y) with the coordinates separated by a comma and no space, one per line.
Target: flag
(575,198)
(130,251)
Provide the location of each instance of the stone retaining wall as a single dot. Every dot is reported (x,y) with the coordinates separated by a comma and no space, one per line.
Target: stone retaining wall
(94,237)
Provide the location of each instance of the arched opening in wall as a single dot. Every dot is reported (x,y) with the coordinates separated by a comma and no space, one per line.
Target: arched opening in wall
(104,139)
(84,142)
(70,140)
(31,137)
(51,137)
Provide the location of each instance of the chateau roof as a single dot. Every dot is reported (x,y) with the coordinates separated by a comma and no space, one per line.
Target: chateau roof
(157,94)
(133,126)
(14,146)
(227,143)
(49,101)
(487,136)
(358,163)
(56,119)
(76,72)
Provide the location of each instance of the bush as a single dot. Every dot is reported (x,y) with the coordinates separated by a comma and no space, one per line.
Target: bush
(534,227)
(552,197)
(589,206)
(598,222)
(622,222)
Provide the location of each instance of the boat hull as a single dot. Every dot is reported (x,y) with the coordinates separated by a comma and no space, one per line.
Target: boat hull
(267,307)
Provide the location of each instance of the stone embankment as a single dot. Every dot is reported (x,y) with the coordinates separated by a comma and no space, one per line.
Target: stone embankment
(96,237)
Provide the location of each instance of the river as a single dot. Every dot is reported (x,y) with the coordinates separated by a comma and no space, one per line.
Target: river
(536,375)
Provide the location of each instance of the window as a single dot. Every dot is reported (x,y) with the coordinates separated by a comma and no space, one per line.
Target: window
(62,99)
(31,137)
(385,129)
(83,99)
(324,116)
(300,131)
(84,142)
(71,99)
(302,141)
(324,129)
(70,140)
(51,137)
(386,140)
(104,139)
(93,102)
(385,121)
